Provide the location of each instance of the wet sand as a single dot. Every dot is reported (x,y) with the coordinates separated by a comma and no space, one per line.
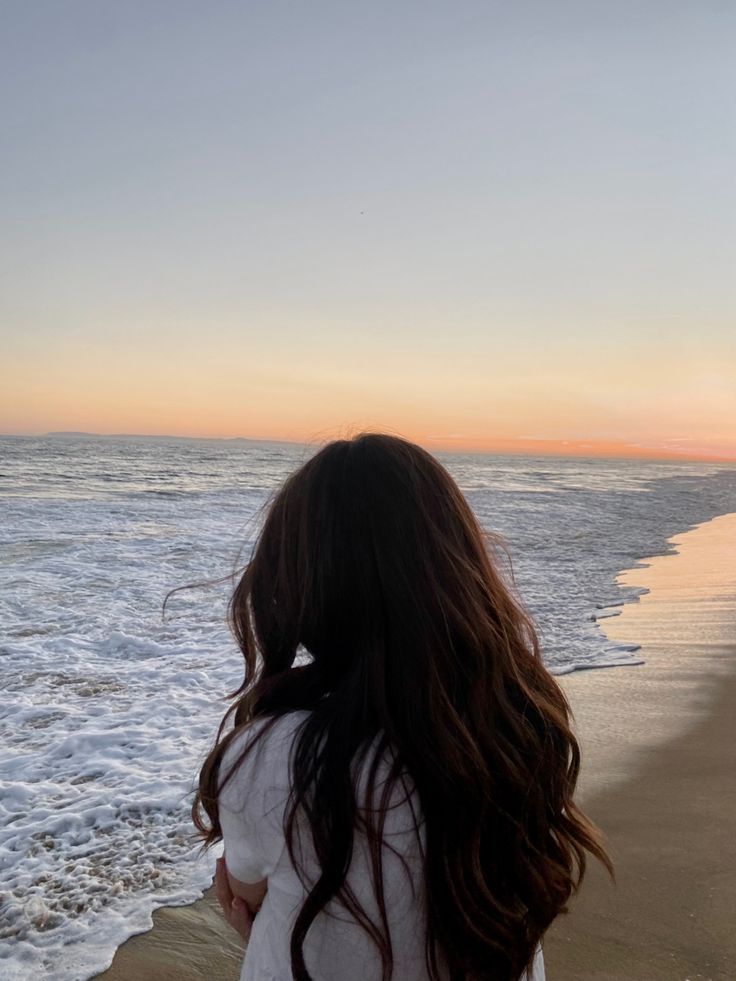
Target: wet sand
(660,779)
(187,943)
(659,776)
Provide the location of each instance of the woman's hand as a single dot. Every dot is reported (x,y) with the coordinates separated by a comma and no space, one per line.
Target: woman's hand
(234,908)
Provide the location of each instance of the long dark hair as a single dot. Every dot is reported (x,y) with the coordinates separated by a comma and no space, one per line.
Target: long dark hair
(371,560)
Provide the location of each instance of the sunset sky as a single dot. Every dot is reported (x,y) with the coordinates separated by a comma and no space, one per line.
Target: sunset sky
(485,225)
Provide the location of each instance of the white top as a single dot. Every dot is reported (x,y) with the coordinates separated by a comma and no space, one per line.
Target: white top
(251,809)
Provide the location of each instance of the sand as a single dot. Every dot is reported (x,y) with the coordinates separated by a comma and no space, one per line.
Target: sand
(187,943)
(659,776)
(660,779)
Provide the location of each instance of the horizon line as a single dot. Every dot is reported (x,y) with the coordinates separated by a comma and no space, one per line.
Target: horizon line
(508,446)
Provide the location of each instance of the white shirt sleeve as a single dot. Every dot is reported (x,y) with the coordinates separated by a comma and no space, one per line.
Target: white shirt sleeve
(537,967)
(251,804)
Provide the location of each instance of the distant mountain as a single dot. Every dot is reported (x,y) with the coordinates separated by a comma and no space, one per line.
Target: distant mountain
(204,439)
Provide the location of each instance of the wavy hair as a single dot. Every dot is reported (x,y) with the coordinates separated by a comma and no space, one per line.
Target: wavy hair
(371,560)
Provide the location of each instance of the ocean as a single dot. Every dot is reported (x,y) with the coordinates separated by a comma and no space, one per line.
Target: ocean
(107,708)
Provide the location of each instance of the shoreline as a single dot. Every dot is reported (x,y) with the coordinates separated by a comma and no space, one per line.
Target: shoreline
(659,778)
(658,730)
(684,622)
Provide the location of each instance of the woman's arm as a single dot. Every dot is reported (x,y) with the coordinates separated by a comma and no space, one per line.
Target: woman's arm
(240,901)
(252,892)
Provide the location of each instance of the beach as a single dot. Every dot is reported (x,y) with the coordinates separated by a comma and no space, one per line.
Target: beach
(659,777)
(108,706)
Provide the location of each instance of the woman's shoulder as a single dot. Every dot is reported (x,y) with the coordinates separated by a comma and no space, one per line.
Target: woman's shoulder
(259,751)
(256,767)
(262,741)
(270,732)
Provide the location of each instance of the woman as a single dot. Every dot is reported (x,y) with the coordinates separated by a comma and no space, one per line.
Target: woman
(396,794)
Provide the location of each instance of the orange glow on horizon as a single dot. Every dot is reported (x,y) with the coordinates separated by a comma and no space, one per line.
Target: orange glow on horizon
(583,448)
(450,407)
(519,446)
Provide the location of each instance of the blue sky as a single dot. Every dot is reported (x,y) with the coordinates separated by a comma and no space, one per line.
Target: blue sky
(403,212)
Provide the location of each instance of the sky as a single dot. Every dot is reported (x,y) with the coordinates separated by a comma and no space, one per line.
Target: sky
(484,225)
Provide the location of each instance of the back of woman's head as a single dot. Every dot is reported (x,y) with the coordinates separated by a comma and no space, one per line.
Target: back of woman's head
(372,565)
